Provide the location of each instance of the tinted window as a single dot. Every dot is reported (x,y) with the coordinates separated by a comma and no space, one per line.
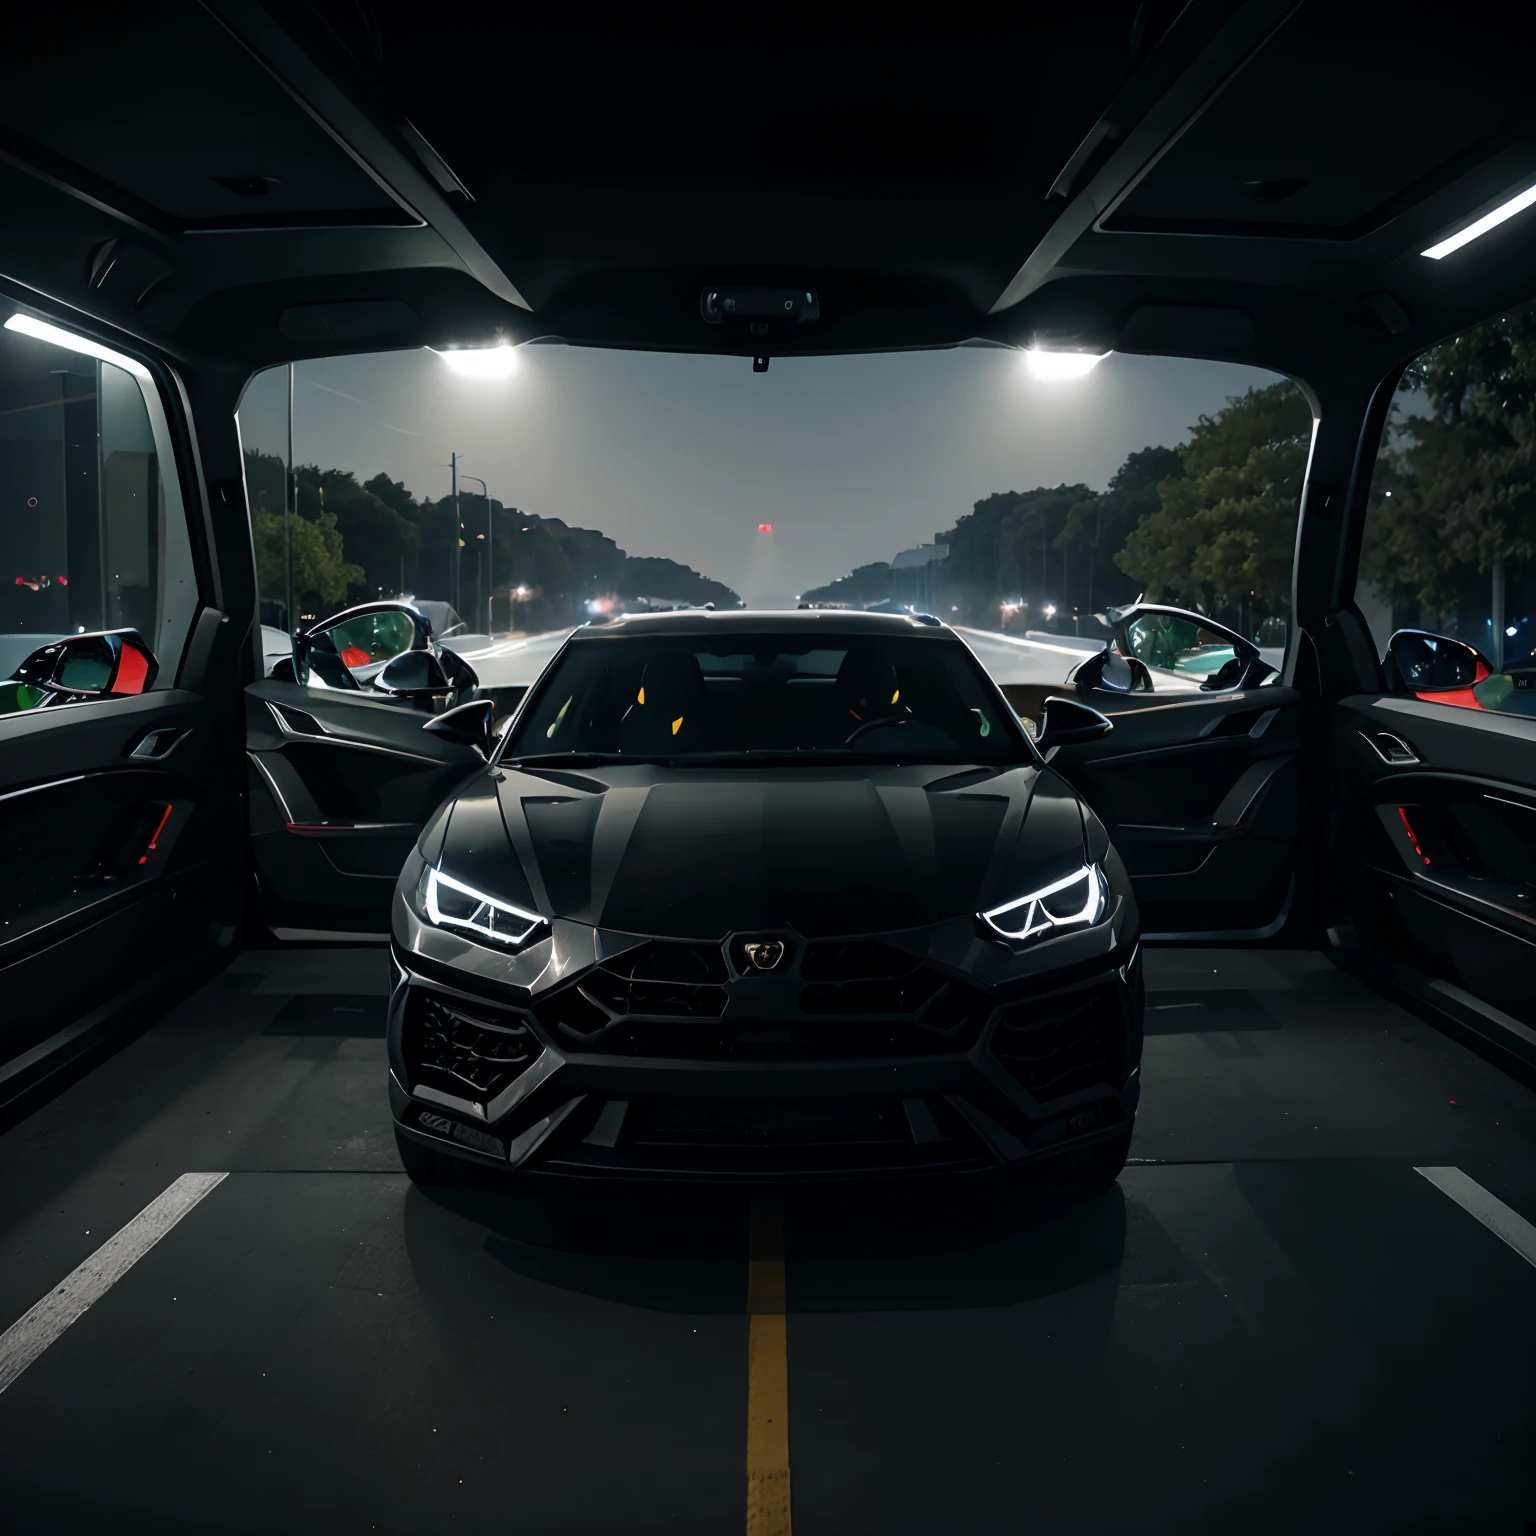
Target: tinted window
(890,698)
(92,533)
(1450,534)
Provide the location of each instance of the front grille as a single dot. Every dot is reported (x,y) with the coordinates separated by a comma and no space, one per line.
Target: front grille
(468,1052)
(656,980)
(864,979)
(1065,1044)
(750,1039)
(863,998)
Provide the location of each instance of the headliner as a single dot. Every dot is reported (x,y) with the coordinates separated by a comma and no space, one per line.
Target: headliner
(1251,180)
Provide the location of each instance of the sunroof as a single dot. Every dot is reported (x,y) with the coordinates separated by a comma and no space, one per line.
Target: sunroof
(169,108)
(1338,124)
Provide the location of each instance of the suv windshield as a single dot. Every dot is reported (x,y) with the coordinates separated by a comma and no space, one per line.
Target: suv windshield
(894,698)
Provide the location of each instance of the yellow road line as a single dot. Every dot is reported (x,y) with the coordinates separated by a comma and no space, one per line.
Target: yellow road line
(767,1375)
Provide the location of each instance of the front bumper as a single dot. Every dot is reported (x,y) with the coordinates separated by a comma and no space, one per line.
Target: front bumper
(1018,1078)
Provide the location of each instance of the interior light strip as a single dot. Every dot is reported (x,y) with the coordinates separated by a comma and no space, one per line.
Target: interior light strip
(40,330)
(1517,204)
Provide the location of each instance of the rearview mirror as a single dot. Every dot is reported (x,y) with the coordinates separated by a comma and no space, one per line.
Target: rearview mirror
(1427,663)
(1065,721)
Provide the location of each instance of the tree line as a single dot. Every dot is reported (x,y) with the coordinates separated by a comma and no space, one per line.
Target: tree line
(1450,534)
(1210,524)
(352,541)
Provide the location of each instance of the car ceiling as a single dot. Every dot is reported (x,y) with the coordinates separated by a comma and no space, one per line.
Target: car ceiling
(253,183)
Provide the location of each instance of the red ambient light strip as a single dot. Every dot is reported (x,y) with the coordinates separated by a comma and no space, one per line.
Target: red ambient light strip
(1408,828)
(144,857)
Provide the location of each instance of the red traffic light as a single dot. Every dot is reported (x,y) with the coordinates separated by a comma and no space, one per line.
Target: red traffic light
(765,527)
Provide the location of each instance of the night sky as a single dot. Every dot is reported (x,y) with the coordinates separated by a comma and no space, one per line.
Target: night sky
(850,458)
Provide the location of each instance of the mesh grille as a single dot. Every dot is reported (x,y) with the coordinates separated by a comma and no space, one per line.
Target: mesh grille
(653,981)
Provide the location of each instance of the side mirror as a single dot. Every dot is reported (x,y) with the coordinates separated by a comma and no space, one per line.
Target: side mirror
(469,724)
(348,650)
(109,665)
(1108,671)
(1429,664)
(414,675)
(1175,640)
(1065,721)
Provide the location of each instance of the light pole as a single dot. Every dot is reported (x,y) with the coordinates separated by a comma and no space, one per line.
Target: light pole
(489,554)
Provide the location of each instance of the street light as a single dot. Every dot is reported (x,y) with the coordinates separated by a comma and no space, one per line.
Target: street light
(490,552)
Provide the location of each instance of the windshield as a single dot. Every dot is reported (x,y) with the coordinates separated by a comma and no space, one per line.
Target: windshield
(895,698)
(1030,514)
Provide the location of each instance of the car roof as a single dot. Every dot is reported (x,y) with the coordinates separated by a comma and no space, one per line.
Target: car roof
(798,622)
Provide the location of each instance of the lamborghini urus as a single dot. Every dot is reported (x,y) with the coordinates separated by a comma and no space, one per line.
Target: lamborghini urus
(766,896)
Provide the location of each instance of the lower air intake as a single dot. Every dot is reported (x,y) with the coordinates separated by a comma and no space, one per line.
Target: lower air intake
(1065,1044)
(468,1052)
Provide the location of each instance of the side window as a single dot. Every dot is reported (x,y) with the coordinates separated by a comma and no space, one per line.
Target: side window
(93,533)
(1448,565)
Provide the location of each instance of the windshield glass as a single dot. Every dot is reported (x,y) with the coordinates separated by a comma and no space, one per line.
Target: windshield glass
(898,698)
(1030,513)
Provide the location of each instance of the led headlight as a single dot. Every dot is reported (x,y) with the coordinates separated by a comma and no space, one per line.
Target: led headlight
(1076,901)
(449,903)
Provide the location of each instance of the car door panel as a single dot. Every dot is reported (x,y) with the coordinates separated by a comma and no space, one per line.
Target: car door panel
(107,836)
(340,787)
(1435,817)
(1201,798)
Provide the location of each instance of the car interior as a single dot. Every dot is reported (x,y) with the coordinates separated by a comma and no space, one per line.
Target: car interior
(1307,1302)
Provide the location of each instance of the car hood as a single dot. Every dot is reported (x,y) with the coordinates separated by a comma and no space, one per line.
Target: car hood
(701,853)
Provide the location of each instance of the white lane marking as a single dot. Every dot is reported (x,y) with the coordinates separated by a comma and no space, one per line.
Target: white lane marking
(1504,1223)
(30,1335)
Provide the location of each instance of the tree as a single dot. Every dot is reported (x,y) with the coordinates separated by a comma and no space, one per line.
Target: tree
(1453,511)
(1223,537)
(1098,526)
(863,585)
(320,574)
(656,576)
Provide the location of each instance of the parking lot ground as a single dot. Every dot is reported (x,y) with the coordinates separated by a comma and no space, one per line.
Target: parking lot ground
(1272,1321)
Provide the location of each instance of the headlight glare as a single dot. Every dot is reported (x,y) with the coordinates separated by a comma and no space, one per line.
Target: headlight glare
(1076,901)
(449,903)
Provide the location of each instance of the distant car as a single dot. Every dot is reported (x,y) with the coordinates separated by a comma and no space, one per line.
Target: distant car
(745,895)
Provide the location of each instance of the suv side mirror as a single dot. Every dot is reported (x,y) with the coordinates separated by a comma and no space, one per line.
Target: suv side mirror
(110,665)
(1189,644)
(414,675)
(1427,663)
(468,724)
(349,650)
(1108,671)
(1065,721)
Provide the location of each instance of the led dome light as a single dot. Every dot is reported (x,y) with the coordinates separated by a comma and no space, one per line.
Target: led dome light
(1055,366)
(481,362)
(1479,227)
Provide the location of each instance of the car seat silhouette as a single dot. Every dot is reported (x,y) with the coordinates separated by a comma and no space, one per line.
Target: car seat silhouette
(866,689)
(672,710)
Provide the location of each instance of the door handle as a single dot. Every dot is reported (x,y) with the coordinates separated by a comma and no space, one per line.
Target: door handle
(157,744)
(1391,749)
